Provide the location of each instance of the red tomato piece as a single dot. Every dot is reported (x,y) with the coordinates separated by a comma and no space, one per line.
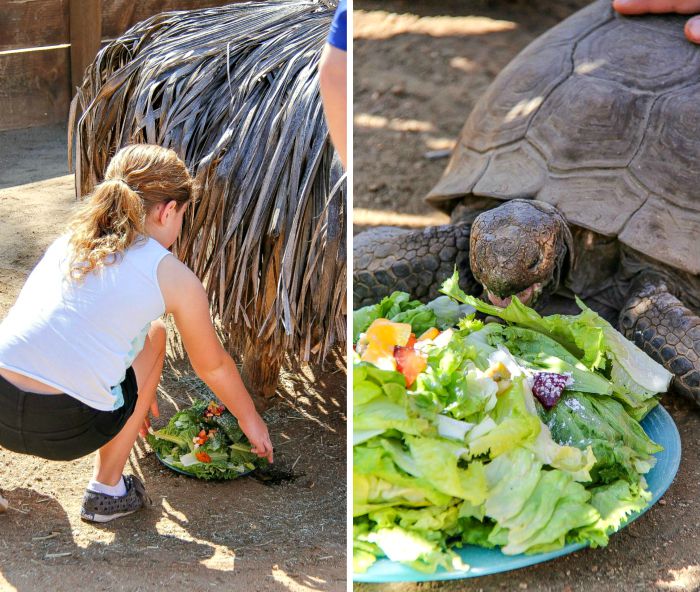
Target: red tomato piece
(409,362)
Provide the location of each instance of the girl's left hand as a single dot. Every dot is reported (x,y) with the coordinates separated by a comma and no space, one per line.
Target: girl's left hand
(147,422)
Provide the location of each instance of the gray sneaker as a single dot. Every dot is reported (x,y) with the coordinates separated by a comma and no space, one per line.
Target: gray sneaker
(100,507)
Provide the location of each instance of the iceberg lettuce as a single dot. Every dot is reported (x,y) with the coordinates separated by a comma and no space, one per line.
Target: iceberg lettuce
(467,454)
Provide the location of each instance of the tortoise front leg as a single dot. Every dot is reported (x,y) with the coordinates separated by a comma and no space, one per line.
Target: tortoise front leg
(386,259)
(664,328)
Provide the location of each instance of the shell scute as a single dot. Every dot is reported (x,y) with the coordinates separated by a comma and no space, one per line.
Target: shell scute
(667,161)
(637,57)
(588,122)
(515,172)
(586,199)
(666,233)
(463,171)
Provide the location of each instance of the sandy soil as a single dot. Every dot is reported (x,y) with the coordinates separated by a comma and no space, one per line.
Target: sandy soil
(419,68)
(242,535)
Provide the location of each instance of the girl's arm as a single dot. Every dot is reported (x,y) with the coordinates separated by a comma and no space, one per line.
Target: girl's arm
(186,299)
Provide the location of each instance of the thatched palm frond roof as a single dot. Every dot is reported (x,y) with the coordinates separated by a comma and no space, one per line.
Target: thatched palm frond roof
(234,91)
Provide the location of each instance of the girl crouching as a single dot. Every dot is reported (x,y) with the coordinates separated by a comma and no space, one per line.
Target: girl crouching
(82,349)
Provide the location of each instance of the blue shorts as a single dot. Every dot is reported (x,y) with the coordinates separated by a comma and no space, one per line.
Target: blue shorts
(59,427)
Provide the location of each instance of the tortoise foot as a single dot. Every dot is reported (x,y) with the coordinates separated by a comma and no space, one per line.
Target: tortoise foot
(662,326)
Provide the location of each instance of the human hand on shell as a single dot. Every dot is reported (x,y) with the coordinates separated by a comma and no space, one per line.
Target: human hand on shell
(634,7)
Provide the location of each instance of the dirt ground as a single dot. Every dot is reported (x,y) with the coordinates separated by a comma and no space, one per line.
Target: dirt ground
(238,535)
(418,69)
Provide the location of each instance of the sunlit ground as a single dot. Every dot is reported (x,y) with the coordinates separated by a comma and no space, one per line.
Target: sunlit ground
(379,24)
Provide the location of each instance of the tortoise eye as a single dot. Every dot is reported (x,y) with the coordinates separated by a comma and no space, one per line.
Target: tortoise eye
(535,262)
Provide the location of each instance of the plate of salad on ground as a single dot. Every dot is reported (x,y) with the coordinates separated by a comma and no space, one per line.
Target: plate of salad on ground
(484,447)
(205,441)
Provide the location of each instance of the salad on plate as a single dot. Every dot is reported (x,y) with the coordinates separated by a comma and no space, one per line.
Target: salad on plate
(522,434)
(205,441)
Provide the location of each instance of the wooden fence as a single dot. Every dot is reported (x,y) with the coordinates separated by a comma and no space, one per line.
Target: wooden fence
(45,46)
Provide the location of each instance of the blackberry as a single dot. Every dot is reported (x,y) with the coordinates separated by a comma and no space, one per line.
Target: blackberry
(548,387)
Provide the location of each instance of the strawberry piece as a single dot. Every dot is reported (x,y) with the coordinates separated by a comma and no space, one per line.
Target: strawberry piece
(409,362)
(548,387)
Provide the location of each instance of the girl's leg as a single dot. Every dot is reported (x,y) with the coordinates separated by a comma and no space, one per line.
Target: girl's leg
(148,365)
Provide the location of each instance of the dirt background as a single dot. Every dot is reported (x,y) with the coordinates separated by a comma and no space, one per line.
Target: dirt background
(418,69)
(237,535)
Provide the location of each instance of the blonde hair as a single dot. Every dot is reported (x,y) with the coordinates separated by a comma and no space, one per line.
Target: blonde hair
(138,178)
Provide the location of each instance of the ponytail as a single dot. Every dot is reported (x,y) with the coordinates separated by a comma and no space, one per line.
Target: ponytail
(114,217)
(105,226)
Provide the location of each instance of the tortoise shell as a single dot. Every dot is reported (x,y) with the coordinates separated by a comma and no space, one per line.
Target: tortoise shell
(600,116)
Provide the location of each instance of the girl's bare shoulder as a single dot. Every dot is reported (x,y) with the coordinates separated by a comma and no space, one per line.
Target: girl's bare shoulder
(177,282)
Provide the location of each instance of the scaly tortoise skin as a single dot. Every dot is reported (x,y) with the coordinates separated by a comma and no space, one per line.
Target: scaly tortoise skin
(578,171)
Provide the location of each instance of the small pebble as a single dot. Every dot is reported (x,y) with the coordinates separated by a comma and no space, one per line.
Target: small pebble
(522,586)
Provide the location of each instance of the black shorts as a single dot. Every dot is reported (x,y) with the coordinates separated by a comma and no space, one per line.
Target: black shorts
(59,427)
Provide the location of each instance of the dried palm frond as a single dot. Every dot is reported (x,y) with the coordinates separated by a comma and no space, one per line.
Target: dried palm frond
(235,92)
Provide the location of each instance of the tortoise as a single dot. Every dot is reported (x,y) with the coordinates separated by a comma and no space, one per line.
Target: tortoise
(577,172)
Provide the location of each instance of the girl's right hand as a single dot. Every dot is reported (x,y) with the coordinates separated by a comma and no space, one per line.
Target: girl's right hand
(255,430)
(187,300)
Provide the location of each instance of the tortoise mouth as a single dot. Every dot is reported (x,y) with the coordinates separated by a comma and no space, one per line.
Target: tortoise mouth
(527,296)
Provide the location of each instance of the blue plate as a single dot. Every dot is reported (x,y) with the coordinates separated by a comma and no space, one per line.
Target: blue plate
(660,428)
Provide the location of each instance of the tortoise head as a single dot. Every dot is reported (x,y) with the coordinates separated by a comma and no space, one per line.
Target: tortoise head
(520,248)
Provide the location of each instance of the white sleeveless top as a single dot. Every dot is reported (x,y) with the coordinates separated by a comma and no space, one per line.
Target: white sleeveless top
(81,336)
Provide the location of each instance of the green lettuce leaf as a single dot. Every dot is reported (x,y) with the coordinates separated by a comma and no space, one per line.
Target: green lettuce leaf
(387,308)
(364,553)
(515,425)
(379,482)
(452,382)
(443,312)
(466,483)
(615,502)
(511,477)
(420,553)
(544,353)
(557,506)
(589,337)
(621,447)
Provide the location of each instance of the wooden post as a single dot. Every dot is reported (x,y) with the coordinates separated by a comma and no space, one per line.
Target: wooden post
(85,35)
